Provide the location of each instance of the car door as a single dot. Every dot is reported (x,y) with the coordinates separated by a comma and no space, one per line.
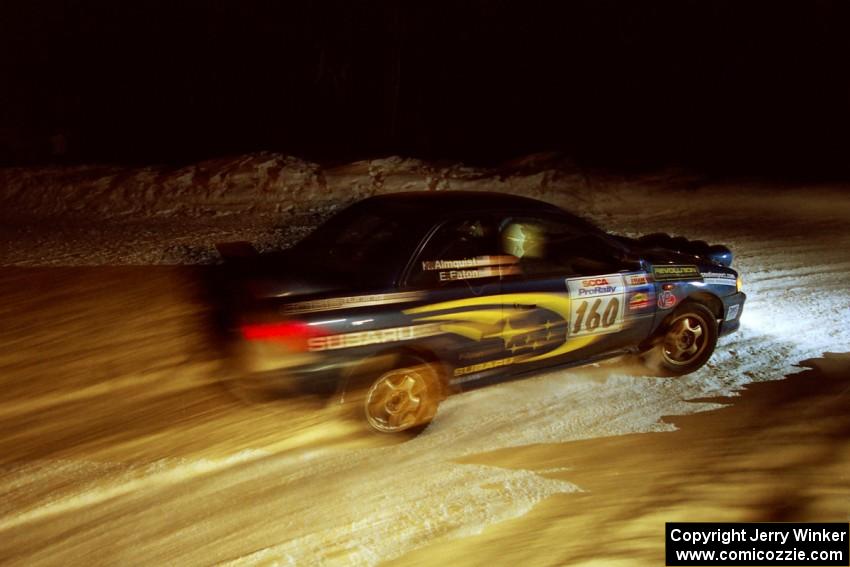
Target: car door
(460,268)
(574,292)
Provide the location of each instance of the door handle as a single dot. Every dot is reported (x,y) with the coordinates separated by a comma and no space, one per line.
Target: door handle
(525,306)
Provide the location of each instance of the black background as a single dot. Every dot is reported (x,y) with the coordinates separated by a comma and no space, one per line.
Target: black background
(720,86)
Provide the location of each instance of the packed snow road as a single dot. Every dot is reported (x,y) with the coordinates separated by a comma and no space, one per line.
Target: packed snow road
(120,445)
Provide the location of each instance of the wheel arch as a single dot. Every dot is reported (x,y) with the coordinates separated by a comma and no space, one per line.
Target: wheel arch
(386,359)
(653,357)
(709,300)
(704,298)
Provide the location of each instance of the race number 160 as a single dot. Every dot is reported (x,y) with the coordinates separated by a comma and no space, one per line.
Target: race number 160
(589,317)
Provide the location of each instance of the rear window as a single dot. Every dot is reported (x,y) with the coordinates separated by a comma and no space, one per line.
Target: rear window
(368,243)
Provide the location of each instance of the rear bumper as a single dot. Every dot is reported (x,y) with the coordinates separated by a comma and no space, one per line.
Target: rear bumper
(265,367)
(733,308)
(311,381)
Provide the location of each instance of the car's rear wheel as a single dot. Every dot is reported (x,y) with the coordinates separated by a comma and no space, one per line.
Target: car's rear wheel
(402,399)
(397,396)
(685,343)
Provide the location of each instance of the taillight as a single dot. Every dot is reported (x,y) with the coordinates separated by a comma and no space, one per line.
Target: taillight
(292,334)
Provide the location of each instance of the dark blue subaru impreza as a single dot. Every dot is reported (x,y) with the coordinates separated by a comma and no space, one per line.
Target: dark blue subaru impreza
(400,298)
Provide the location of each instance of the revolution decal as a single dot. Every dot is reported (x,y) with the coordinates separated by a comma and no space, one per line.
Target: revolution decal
(598,304)
(719,278)
(676,273)
(379,336)
(349,302)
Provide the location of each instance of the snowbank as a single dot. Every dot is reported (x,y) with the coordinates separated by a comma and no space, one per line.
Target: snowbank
(268,184)
(262,182)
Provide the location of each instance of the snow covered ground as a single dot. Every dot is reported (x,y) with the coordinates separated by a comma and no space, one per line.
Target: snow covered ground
(120,445)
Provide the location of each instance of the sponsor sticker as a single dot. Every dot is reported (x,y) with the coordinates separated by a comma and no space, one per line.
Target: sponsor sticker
(637,279)
(639,301)
(673,273)
(666,300)
(595,286)
(597,304)
(481,367)
(732,312)
(379,336)
(719,278)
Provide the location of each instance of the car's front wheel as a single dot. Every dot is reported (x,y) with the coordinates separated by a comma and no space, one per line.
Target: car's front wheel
(685,342)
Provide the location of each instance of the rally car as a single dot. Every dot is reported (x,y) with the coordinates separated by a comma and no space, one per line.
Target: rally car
(399,299)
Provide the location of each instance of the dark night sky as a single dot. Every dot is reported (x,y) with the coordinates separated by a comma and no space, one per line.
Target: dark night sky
(757,87)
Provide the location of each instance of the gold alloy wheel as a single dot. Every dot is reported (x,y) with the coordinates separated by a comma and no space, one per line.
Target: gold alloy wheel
(685,340)
(397,400)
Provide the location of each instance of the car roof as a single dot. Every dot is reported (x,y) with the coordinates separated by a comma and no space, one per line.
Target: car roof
(414,215)
(436,204)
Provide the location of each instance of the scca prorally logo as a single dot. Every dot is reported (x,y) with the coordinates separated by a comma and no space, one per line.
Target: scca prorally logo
(596,286)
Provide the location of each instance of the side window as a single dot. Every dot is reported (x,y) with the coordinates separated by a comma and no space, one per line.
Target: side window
(549,246)
(465,250)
